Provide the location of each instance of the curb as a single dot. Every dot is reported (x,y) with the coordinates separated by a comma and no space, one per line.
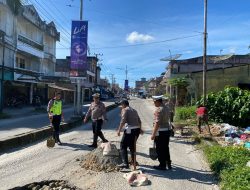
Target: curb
(39,134)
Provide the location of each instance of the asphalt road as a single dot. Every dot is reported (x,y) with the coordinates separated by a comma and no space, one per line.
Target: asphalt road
(37,162)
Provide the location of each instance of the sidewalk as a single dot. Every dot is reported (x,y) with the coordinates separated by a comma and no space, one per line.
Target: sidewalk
(22,131)
(26,119)
(28,110)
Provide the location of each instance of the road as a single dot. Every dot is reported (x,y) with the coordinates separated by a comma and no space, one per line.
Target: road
(37,162)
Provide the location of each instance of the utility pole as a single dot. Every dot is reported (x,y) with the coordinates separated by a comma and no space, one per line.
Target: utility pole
(96,66)
(81,9)
(205,55)
(126,71)
(112,82)
(2,34)
(78,88)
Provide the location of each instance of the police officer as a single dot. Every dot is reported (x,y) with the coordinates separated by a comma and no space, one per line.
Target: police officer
(54,110)
(131,121)
(161,133)
(97,111)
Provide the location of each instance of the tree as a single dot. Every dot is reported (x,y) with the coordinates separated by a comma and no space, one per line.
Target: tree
(178,83)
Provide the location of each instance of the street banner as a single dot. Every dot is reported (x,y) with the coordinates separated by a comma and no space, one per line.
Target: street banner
(126,85)
(79,46)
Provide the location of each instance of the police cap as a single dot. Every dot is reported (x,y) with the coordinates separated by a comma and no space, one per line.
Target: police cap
(96,95)
(125,102)
(155,98)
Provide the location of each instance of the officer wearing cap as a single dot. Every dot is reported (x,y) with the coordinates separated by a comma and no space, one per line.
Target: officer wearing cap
(161,133)
(131,121)
(97,112)
(55,113)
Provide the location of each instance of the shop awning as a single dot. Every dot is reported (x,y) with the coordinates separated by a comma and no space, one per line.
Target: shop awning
(60,88)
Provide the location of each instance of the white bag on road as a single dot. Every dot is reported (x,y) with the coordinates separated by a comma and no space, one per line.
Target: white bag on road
(136,178)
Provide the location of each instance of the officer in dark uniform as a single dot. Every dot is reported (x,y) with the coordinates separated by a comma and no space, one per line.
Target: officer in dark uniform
(131,121)
(97,111)
(161,133)
(55,115)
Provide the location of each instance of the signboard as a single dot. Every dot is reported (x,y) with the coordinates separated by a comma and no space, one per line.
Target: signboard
(79,46)
(126,85)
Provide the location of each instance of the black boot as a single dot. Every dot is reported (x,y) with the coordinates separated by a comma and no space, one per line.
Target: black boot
(102,137)
(169,165)
(58,139)
(124,155)
(94,145)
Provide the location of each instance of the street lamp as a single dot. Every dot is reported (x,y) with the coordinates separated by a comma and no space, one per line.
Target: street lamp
(2,35)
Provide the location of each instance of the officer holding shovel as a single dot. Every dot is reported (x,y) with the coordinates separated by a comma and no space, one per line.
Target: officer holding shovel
(161,133)
(54,110)
(97,111)
(131,121)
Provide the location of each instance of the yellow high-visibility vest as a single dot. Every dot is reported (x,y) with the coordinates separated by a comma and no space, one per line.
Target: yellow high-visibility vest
(56,108)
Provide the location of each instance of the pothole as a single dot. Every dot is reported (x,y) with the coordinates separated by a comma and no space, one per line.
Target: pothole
(48,185)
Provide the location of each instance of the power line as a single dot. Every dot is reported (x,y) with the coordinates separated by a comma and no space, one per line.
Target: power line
(43,17)
(66,33)
(144,44)
(150,43)
(59,11)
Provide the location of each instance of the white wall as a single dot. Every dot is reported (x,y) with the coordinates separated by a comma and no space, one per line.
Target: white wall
(28,30)
(6,21)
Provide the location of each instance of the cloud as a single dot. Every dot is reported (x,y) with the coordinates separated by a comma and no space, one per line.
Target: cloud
(137,37)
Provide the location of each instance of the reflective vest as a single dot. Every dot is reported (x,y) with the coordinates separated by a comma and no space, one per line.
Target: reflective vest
(56,108)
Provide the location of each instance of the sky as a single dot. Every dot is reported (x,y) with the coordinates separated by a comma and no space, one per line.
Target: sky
(138,33)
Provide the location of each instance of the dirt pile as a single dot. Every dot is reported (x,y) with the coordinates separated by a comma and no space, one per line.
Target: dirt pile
(96,161)
(48,185)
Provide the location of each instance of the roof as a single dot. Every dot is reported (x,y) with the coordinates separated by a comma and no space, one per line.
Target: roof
(199,60)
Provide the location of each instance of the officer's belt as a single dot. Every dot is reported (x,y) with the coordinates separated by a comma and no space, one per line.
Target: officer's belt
(129,127)
(161,129)
(97,119)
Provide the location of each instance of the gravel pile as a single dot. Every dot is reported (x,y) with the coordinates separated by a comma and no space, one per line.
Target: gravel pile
(97,162)
(48,185)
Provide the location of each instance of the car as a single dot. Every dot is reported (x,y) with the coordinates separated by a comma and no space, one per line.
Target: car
(124,96)
(85,109)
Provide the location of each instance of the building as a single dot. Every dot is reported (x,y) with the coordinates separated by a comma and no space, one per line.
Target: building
(232,71)
(154,87)
(29,52)
(90,79)
(139,85)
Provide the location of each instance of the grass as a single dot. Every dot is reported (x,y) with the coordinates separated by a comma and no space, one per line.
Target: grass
(228,165)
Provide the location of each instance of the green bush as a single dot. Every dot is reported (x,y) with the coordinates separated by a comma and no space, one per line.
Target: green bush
(229,165)
(184,113)
(232,105)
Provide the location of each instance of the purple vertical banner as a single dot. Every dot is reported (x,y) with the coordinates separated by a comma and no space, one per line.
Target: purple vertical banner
(126,85)
(79,46)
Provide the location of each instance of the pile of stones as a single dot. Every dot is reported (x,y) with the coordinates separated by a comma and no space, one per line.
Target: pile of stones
(48,185)
(97,162)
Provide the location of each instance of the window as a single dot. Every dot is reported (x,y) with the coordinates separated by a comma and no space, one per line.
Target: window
(16,61)
(22,63)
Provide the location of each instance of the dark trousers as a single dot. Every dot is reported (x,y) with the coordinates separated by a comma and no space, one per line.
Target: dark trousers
(97,131)
(56,127)
(162,148)
(129,141)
